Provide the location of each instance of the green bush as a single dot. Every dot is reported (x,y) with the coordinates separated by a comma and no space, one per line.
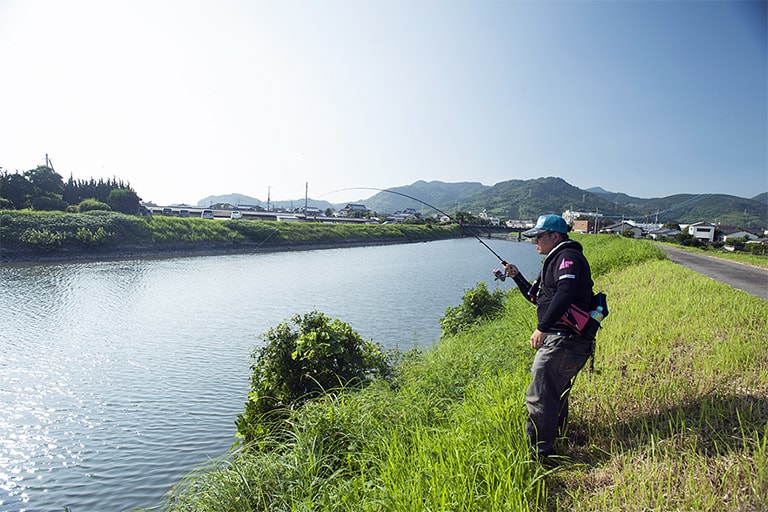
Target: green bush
(88,238)
(49,202)
(87,205)
(302,359)
(477,304)
(758,249)
(42,239)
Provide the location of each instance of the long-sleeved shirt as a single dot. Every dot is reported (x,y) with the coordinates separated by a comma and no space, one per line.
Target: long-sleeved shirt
(565,279)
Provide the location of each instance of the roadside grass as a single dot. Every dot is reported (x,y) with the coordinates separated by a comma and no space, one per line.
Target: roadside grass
(675,416)
(737,256)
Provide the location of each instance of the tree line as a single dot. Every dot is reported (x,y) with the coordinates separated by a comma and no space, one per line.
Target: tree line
(42,188)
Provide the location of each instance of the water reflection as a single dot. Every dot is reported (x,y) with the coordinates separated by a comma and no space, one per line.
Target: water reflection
(117,378)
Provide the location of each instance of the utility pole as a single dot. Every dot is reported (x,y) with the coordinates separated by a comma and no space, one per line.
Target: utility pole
(596,213)
(268,190)
(306,195)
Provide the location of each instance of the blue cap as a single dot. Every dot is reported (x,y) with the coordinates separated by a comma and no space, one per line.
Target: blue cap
(548,223)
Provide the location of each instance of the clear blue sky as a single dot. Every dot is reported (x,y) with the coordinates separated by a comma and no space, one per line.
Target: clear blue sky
(185,99)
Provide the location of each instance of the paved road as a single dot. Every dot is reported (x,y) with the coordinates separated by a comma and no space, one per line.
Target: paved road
(743,277)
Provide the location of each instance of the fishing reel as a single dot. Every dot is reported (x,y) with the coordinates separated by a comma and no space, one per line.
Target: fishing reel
(499,275)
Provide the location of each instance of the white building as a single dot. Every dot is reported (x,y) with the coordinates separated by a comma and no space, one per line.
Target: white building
(572,215)
(702,231)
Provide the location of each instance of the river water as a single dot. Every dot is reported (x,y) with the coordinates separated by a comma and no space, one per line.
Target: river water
(118,378)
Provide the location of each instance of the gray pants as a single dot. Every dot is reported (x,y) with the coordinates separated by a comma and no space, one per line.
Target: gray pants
(555,365)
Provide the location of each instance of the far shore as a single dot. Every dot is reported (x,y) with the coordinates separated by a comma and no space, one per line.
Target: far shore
(181,249)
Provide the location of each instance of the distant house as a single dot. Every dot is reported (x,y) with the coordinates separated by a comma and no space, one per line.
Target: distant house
(738,235)
(702,231)
(623,227)
(570,215)
(492,221)
(309,210)
(656,234)
(583,226)
(354,210)
(726,233)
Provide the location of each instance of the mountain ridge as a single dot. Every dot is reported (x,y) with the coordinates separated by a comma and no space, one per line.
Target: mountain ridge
(527,199)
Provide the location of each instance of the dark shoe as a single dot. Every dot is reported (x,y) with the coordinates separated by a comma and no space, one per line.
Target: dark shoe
(545,459)
(548,461)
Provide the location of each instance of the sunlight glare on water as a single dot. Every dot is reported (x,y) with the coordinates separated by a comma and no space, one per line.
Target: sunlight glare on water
(118,378)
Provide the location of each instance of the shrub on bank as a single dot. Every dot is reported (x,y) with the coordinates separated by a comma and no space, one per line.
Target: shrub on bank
(304,358)
(91,204)
(32,229)
(478,304)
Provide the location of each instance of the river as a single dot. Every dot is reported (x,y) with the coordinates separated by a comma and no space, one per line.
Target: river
(118,378)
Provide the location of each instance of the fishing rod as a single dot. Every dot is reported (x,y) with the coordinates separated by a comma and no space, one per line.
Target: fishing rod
(428,205)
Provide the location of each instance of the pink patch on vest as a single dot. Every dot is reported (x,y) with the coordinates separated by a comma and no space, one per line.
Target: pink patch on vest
(565,264)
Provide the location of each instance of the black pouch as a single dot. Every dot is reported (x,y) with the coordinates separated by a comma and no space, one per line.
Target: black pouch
(592,326)
(599,299)
(590,330)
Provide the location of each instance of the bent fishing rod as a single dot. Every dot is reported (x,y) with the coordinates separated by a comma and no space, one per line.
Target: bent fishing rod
(438,210)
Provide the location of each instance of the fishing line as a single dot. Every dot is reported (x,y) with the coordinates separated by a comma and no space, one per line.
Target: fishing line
(425,204)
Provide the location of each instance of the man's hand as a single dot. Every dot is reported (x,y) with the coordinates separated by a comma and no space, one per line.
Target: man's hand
(510,270)
(537,339)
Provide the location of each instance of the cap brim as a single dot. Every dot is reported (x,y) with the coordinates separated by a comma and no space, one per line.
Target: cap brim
(534,232)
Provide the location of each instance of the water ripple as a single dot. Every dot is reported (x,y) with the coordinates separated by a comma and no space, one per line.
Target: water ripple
(118,378)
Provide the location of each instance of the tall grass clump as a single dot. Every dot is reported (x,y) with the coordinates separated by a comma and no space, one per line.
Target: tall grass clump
(607,253)
(37,230)
(673,418)
(446,433)
(175,229)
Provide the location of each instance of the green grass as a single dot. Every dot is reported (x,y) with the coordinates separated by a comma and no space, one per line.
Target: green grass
(674,417)
(52,231)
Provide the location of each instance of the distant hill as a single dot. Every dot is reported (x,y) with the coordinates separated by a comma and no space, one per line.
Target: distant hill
(243,200)
(435,193)
(527,199)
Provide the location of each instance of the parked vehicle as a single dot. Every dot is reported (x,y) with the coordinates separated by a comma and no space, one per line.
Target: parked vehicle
(236,214)
(207,214)
(167,211)
(183,213)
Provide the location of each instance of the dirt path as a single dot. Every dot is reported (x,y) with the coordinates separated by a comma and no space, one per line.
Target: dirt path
(743,277)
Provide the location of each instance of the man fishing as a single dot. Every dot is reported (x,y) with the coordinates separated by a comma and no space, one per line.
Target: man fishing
(564,281)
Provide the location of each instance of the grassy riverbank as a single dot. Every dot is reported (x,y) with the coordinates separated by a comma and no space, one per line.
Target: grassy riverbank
(28,235)
(675,416)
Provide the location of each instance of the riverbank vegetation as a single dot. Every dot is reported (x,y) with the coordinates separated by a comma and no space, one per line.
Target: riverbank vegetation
(674,416)
(33,233)
(43,189)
